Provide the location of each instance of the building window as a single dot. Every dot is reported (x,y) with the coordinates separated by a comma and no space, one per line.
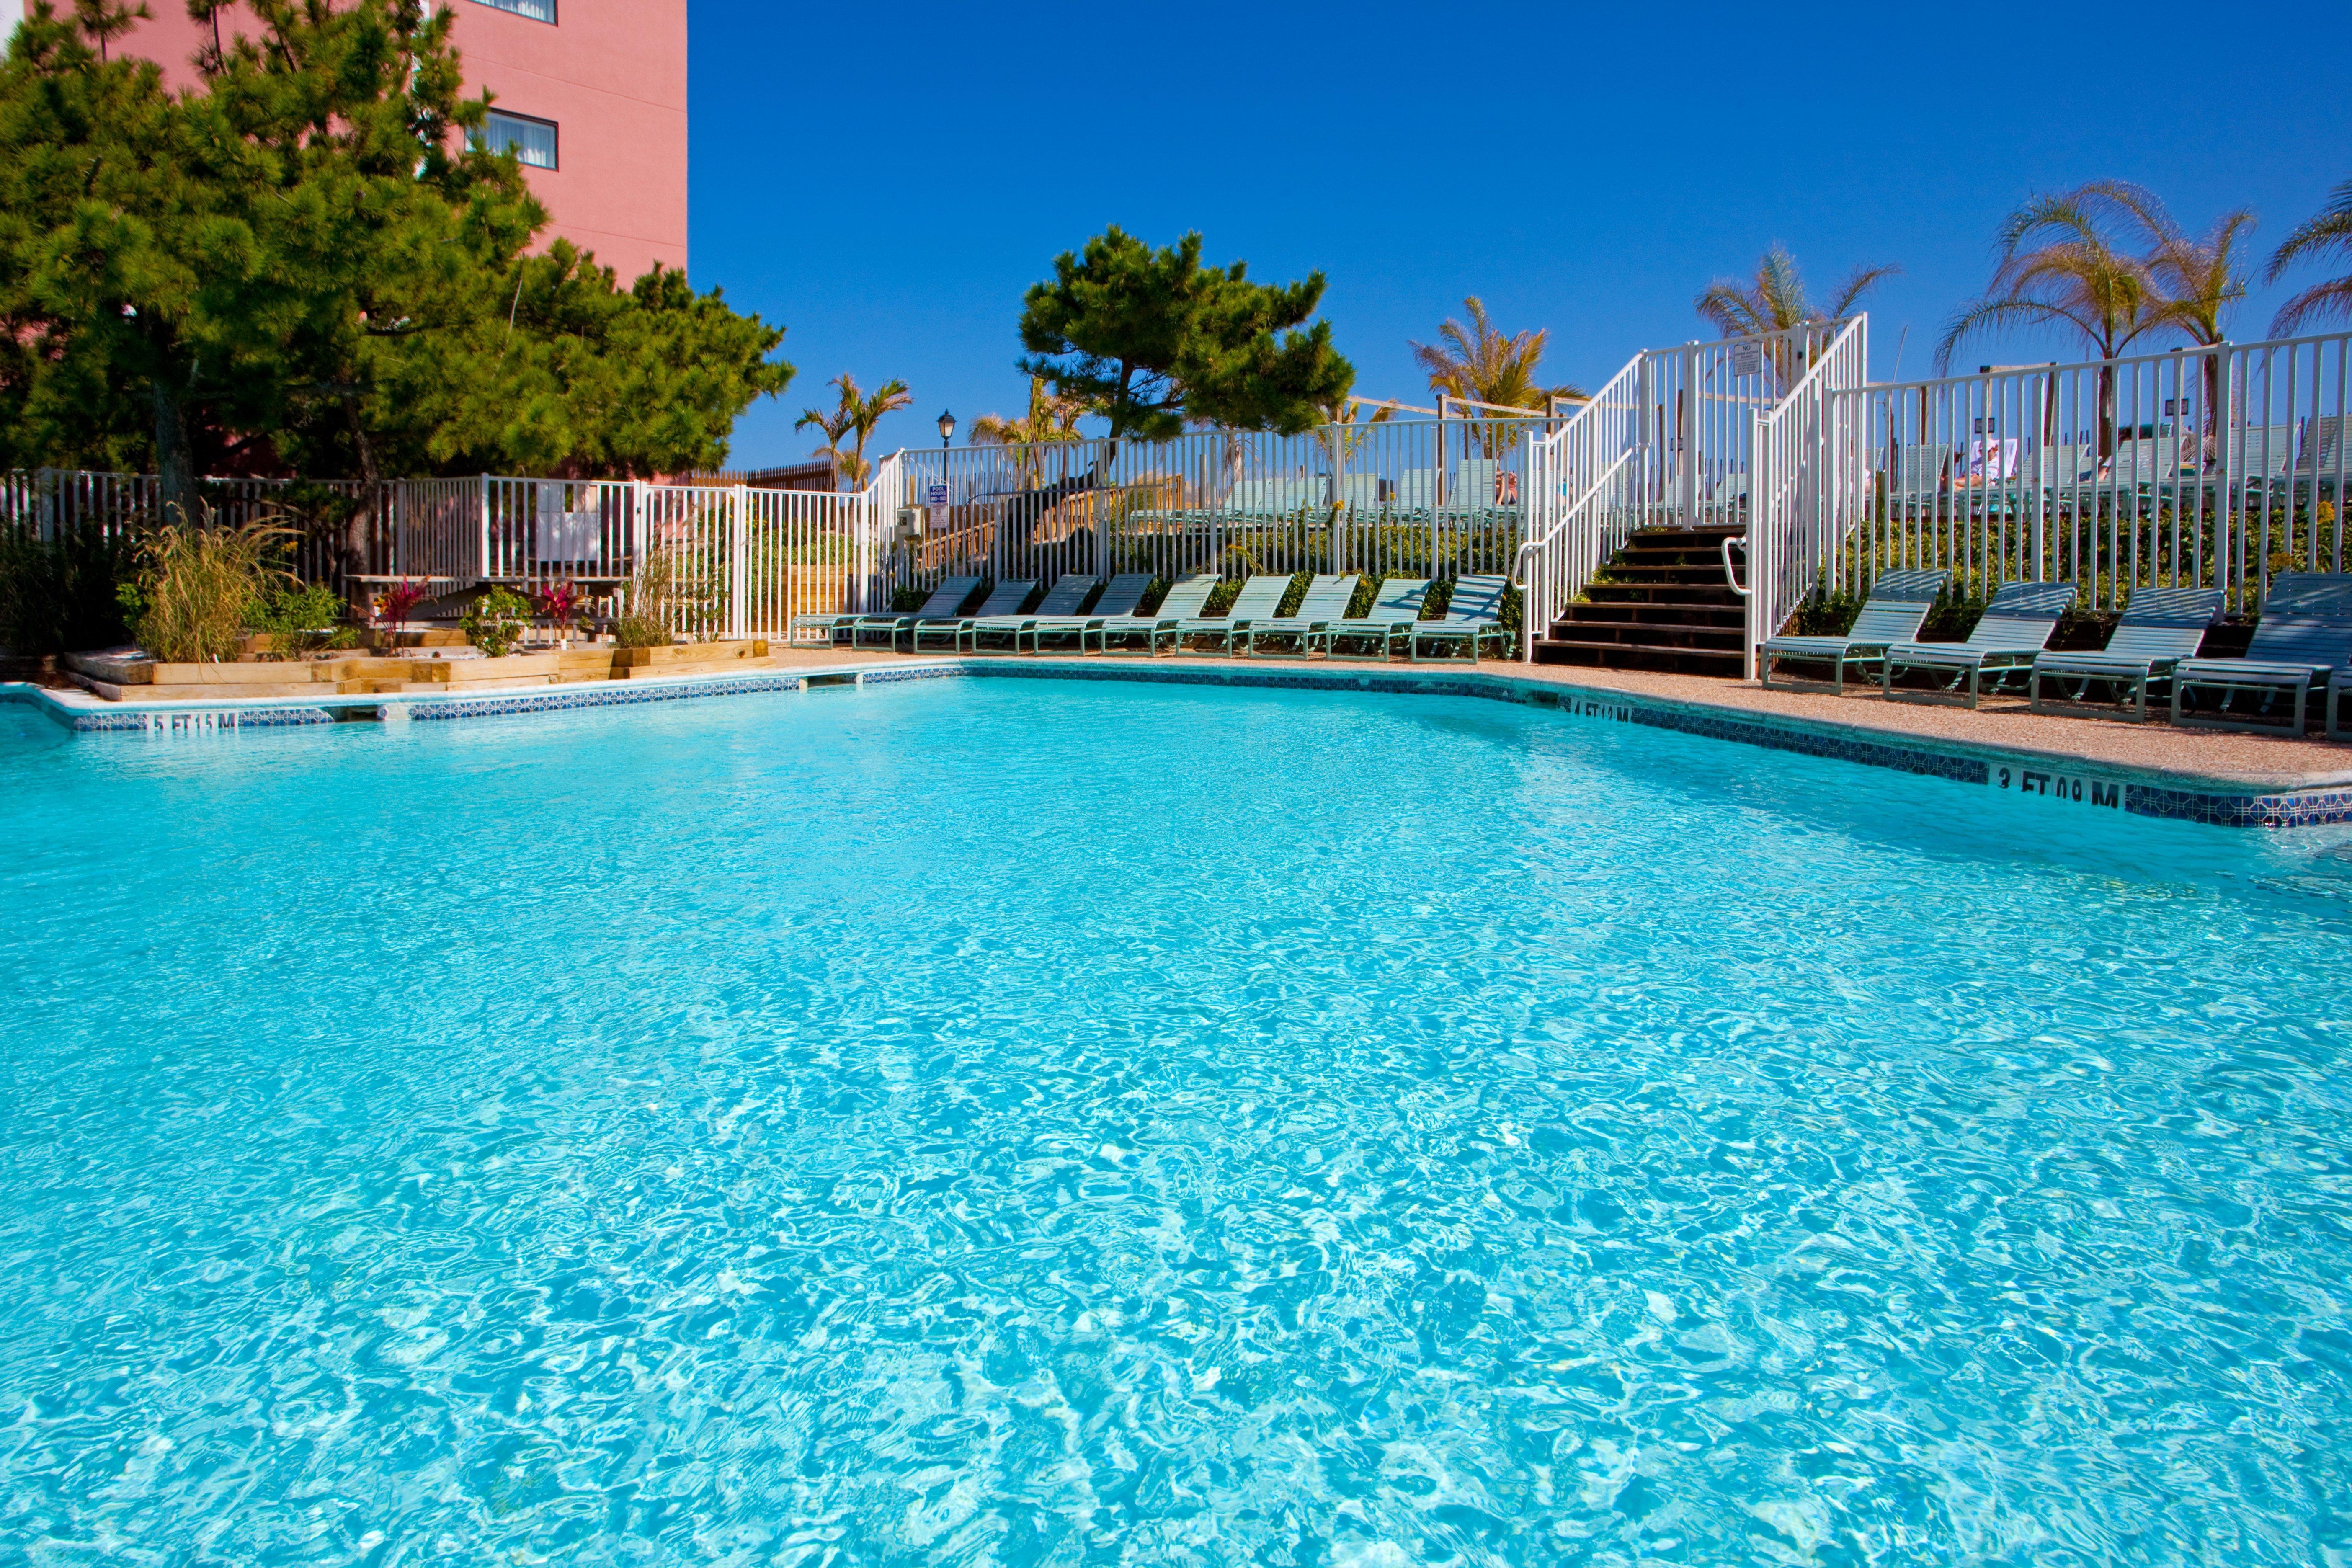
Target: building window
(533,141)
(537,10)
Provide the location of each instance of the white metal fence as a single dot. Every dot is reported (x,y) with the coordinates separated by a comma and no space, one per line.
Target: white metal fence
(1798,519)
(2218,465)
(1669,443)
(2213,465)
(706,560)
(1428,496)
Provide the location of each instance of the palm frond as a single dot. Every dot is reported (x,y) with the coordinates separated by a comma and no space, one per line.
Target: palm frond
(2327,233)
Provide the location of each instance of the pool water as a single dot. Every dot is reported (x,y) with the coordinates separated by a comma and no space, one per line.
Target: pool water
(1026,1123)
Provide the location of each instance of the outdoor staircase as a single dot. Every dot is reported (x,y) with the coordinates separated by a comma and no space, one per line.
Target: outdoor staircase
(1660,603)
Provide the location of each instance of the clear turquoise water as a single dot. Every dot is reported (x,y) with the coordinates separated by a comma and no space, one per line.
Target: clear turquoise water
(1018,1122)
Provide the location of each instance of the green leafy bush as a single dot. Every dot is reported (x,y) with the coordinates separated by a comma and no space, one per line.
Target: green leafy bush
(65,594)
(301,619)
(495,622)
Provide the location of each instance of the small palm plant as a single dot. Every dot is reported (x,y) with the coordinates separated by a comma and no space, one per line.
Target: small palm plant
(2327,235)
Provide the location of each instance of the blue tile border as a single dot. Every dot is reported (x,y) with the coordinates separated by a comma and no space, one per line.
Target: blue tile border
(600,694)
(2222,804)
(201,721)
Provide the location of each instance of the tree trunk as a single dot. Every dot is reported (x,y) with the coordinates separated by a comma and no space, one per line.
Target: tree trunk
(356,533)
(174,463)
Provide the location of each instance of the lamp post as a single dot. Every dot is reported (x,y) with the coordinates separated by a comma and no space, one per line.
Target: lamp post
(947,428)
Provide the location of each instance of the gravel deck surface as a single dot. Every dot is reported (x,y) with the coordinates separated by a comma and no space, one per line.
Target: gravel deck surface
(2270,762)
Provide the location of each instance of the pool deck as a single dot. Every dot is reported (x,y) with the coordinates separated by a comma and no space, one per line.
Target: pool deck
(2152,770)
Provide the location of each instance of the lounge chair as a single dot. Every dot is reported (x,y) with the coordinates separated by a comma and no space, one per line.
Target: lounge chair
(2340,687)
(1326,601)
(2008,638)
(1897,607)
(1117,602)
(2160,627)
(1259,600)
(1473,615)
(1183,602)
(1392,616)
(2303,638)
(945,601)
(1006,598)
(1066,597)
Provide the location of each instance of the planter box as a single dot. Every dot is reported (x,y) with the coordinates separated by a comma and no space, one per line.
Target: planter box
(460,672)
(437,637)
(657,660)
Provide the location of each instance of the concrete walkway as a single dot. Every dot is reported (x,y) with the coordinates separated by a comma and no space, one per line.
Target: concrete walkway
(2262,761)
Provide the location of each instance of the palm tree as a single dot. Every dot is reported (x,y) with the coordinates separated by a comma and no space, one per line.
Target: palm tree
(1050,420)
(865,411)
(2199,279)
(1775,300)
(2327,234)
(1481,364)
(2063,265)
(834,426)
(1342,435)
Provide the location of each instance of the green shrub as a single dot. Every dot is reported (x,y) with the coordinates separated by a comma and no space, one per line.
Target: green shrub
(495,622)
(906,601)
(65,594)
(299,620)
(648,603)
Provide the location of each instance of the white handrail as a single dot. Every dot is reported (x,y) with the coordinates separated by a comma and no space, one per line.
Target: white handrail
(1730,580)
(1796,511)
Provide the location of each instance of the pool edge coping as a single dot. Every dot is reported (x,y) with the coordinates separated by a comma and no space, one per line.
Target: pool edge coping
(2217,799)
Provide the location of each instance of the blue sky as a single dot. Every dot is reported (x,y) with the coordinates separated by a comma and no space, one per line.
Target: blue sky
(885,179)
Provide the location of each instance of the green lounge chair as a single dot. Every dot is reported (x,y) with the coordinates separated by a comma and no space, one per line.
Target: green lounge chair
(1897,607)
(1473,615)
(2303,638)
(2009,637)
(1259,600)
(1183,603)
(1004,599)
(1392,616)
(1067,597)
(946,600)
(2160,627)
(1326,601)
(2340,687)
(1117,602)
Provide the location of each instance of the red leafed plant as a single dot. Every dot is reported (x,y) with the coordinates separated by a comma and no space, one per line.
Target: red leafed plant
(397,601)
(560,603)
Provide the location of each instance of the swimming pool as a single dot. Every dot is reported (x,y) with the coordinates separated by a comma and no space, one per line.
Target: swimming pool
(1036,1122)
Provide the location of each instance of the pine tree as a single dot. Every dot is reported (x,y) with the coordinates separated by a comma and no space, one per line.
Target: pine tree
(1152,339)
(301,266)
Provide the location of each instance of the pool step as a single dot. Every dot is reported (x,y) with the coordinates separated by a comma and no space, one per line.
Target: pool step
(1660,603)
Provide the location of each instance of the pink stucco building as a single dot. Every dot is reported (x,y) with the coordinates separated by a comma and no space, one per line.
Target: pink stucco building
(590,94)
